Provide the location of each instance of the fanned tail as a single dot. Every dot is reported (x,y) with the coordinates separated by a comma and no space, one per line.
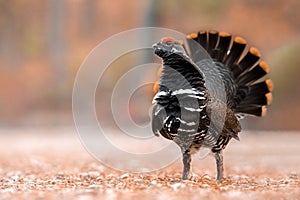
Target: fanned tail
(252,96)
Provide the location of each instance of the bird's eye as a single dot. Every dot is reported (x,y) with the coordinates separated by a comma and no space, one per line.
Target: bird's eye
(168,41)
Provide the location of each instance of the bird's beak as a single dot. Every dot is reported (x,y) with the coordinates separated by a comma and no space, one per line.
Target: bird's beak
(155,46)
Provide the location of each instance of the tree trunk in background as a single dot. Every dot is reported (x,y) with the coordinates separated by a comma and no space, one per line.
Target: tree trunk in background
(150,19)
(151,16)
(57,43)
(8,33)
(88,16)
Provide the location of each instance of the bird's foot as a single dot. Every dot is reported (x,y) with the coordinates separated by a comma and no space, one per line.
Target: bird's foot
(219,180)
(185,176)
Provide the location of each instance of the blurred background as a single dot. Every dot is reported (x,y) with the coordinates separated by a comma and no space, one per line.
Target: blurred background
(43,43)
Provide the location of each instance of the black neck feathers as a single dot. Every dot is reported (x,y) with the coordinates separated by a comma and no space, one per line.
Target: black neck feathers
(180,73)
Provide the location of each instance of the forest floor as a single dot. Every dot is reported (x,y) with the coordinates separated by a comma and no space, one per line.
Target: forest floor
(53,164)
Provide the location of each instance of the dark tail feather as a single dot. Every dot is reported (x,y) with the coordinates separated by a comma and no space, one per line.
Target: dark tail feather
(193,41)
(247,62)
(254,74)
(236,51)
(202,39)
(259,111)
(213,37)
(261,88)
(223,45)
(257,100)
(191,44)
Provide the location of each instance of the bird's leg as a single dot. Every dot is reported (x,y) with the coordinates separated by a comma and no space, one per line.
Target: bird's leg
(219,162)
(186,159)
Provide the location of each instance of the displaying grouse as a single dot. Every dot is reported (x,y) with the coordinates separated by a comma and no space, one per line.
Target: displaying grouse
(205,87)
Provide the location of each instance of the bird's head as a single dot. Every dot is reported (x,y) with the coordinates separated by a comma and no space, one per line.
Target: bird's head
(168,46)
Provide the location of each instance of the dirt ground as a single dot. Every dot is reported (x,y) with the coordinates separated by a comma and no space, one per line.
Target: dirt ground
(52,164)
